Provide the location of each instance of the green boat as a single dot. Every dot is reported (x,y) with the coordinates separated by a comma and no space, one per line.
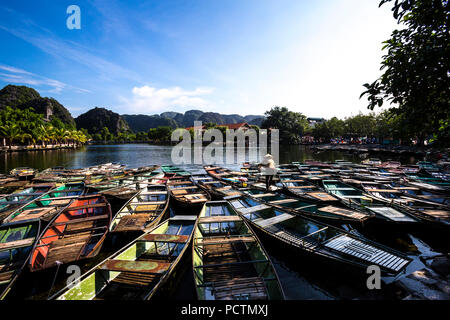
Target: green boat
(146,209)
(175,170)
(139,270)
(320,243)
(47,206)
(13,202)
(229,262)
(355,198)
(329,213)
(16,243)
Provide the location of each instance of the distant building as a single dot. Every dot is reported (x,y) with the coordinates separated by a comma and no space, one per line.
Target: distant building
(313,121)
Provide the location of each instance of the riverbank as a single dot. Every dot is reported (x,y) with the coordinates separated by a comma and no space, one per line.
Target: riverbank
(37,148)
(374,149)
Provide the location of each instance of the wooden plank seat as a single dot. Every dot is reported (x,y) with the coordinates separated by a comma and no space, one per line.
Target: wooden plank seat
(87,206)
(133,222)
(207,266)
(383,190)
(152,193)
(253,209)
(176,183)
(252,287)
(225,240)
(16,244)
(217,219)
(344,212)
(224,188)
(171,238)
(81,220)
(6,276)
(261,195)
(274,220)
(33,214)
(323,196)
(209,182)
(65,191)
(183,188)
(148,266)
(283,201)
(301,187)
(66,249)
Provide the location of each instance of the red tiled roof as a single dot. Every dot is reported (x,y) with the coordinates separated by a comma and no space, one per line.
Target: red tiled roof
(236,125)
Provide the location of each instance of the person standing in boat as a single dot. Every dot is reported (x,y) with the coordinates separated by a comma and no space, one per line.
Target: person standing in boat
(268,169)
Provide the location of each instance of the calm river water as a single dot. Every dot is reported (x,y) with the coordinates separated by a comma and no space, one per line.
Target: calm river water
(136,155)
(297,282)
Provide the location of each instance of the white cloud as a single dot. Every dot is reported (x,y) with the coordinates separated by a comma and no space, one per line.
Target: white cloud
(20,76)
(148,99)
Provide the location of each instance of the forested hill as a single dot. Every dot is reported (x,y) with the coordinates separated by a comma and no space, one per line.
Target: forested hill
(23,97)
(175,119)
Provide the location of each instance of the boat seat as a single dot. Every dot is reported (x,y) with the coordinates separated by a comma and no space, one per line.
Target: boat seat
(148,266)
(216,219)
(171,238)
(16,244)
(247,288)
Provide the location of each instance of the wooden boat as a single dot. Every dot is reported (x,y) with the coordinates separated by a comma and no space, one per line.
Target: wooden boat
(330,213)
(146,209)
(23,173)
(228,176)
(141,170)
(372,161)
(186,194)
(321,242)
(288,169)
(14,201)
(175,170)
(297,187)
(388,193)
(47,206)
(423,208)
(13,186)
(16,243)
(417,193)
(139,270)
(355,198)
(229,262)
(75,233)
(218,190)
(140,182)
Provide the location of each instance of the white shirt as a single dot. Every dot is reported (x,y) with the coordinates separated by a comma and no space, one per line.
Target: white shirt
(270,170)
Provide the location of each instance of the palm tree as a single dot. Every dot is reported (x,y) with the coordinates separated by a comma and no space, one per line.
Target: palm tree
(11,131)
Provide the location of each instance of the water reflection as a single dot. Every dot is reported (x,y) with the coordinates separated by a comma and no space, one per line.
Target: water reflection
(135,155)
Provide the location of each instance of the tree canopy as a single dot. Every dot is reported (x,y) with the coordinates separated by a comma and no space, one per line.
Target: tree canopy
(416,69)
(291,125)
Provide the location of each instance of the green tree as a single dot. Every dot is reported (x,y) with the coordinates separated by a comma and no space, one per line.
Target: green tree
(291,125)
(416,68)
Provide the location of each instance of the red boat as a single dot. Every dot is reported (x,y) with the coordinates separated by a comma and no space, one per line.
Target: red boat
(75,233)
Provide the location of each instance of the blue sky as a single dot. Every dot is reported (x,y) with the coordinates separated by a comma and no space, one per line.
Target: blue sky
(228,56)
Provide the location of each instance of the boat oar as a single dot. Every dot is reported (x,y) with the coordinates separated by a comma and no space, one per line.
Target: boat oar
(58,263)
